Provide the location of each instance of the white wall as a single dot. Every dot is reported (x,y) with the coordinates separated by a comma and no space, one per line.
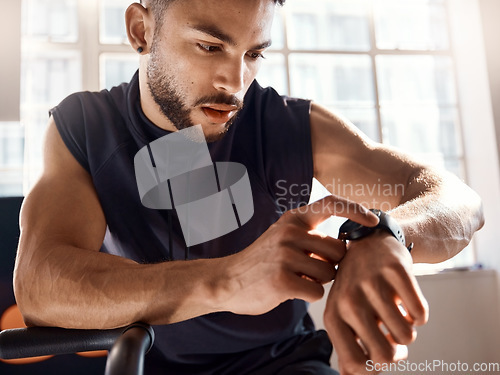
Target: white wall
(464,322)
(478,124)
(490,11)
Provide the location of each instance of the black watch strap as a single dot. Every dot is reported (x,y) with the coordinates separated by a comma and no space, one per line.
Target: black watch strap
(351,230)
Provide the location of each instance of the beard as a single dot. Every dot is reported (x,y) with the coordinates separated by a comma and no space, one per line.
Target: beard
(168,95)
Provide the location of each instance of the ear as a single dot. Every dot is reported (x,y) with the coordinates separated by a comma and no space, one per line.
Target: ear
(140,27)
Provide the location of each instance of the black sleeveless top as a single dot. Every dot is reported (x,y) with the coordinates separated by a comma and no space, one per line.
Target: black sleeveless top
(271,138)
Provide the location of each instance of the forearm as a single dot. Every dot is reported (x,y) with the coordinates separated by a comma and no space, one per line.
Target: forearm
(439,214)
(76,288)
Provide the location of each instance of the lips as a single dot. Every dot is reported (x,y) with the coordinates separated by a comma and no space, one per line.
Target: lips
(219,113)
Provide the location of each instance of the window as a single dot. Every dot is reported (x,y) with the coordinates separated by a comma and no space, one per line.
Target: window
(67,46)
(386,65)
(11,158)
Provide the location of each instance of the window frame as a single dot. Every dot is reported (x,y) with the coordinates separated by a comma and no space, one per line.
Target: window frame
(456,10)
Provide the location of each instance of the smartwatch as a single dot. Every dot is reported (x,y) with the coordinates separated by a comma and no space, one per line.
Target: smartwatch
(350,230)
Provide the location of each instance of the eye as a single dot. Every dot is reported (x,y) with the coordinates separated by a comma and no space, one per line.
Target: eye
(208,48)
(256,55)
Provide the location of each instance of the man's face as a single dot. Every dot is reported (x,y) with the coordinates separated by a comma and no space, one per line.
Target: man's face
(204,58)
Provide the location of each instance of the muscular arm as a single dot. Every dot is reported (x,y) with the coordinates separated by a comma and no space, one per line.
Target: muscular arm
(61,278)
(437,212)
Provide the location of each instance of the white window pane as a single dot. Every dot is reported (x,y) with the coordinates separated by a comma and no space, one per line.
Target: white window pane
(11,159)
(333,80)
(278,31)
(11,145)
(428,131)
(272,73)
(329,25)
(455,166)
(112,27)
(11,183)
(35,119)
(411,24)
(416,79)
(117,68)
(48,77)
(51,20)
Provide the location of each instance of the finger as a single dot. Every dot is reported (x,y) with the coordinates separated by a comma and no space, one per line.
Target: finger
(401,329)
(366,326)
(401,350)
(303,288)
(412,298)
(302,264)
(350,354)
(327,248)
(315,213)
(316,270)
(385,304)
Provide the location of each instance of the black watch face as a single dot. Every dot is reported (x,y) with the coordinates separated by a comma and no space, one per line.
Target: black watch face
(349,226)
(351,230)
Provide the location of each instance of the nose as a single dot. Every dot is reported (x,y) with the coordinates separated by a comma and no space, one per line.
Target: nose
(230,76)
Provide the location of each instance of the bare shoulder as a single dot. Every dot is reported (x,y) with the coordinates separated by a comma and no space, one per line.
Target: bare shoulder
(63,205)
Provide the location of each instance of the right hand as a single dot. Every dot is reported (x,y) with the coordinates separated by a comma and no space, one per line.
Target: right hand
(288,261)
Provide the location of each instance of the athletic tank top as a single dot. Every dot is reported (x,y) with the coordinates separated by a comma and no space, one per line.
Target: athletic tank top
(271,138)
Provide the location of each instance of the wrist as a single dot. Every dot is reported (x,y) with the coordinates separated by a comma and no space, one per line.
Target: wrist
(350,230)
(190,289)
(377,248)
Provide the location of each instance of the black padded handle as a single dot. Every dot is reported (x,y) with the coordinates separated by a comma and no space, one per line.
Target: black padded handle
(128,345)
(37,341)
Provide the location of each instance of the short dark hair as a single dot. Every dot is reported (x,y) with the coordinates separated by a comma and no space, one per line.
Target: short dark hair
(158,8)
(279,2)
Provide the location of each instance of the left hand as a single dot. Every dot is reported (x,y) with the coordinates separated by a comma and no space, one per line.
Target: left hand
(374,279)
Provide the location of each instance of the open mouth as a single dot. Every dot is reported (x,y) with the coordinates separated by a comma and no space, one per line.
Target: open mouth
(219,114)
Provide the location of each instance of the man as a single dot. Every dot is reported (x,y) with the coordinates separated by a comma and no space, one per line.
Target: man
(237,305)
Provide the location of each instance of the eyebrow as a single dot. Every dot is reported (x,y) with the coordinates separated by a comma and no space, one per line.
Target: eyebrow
(215,32)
